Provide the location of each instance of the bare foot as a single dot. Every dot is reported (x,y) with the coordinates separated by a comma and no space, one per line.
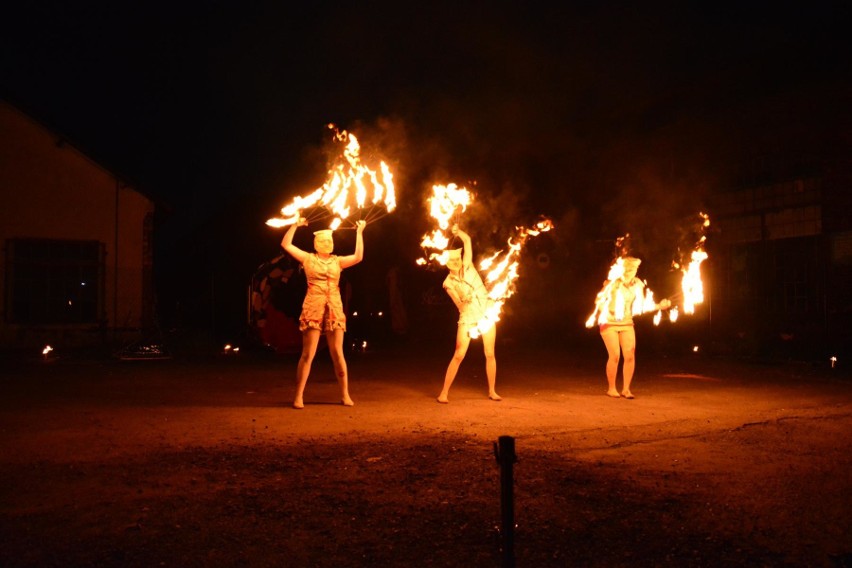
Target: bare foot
(628,395)
(348,402)
(495,396)
(298,404)
(613,393)
(443,399)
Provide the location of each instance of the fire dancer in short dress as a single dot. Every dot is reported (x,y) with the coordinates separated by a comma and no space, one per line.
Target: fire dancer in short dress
(464,285)
(322,310)
(616,324)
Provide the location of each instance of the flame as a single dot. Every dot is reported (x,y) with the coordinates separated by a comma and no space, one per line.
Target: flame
(692,287)
(348,187)
(446,202)
(502,274)
(643,303)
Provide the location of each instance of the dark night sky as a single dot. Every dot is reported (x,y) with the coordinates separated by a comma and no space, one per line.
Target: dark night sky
(580,110)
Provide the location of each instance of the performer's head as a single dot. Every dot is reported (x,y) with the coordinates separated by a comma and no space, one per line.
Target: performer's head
(323,241)
(631,265)
(454,260)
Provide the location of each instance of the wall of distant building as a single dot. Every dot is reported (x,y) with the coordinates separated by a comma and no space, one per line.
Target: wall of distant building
(75,263)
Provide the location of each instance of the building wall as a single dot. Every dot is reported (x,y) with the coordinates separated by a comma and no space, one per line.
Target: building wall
(781,274)
(50,190)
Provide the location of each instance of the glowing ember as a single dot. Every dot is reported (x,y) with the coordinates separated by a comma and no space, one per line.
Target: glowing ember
(351,186)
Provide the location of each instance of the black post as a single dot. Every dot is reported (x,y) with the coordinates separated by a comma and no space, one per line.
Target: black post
(505,454)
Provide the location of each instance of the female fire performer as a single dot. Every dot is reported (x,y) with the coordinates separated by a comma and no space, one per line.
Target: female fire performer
(465,287)
(322,310)
(617,331)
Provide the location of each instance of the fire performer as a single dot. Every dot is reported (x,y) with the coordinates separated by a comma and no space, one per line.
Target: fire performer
(322,310)
(616,323)
(464,285)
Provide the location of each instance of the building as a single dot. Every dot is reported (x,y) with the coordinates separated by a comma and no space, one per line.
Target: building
(784,264)
(76,244)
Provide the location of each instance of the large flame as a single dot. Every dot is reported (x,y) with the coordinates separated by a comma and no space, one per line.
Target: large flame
(502,272)
(351,185)
(691,285)
(445,203)
(692,288)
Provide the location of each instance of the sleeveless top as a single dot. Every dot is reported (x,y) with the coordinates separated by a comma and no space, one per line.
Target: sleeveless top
(471,295)
(624,300)
(323,306)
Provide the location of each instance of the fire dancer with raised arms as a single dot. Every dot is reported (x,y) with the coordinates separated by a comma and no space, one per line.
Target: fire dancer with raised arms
(322,309)
(619,300)
(464,285)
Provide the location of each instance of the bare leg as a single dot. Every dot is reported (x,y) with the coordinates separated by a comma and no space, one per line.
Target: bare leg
(488,339)
(335,348)
(462,342)
(610,339)
(627,339)
(310,340)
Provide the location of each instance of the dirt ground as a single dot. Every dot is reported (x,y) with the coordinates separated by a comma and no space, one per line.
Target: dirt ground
(201,462)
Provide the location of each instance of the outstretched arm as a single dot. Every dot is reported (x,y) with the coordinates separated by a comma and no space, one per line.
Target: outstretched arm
(287,241)
(467,256)
(358,255)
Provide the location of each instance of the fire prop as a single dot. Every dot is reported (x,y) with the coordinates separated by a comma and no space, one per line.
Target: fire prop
(503,272)
(446,204)
(692,287)
(351,187)
(607,301)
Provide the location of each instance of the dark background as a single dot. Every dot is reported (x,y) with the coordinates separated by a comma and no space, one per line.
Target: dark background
(609,118)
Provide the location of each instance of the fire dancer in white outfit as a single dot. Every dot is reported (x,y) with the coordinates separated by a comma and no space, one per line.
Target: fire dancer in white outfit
(465,287)
(617,331)
(322,309)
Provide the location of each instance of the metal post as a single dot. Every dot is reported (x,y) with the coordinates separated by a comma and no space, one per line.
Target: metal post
(505,454)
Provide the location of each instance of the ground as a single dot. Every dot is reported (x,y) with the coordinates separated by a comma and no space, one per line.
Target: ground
(201,462)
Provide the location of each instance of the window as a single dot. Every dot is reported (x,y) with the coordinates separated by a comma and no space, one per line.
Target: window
(53,282)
